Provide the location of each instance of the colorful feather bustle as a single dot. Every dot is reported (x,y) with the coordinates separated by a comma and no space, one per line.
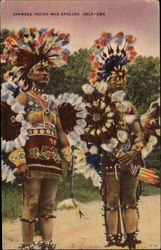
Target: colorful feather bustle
(13,115)
(150,122)
(88,163)
(30,46)
(104,120)
(109,55)
(105,129)
(112,142)
(72,113)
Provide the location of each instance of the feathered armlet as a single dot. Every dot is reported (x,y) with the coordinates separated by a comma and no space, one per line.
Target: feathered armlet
(137,146)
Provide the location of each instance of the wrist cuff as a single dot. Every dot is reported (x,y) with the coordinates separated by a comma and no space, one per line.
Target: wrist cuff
(66,152)
(137,146)
(17,157)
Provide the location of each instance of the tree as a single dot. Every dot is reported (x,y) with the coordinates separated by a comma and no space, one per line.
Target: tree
(3,35)
(143,82)
(71,77)
(143,85)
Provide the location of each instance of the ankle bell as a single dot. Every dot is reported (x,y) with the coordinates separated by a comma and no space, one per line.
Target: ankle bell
(45,245)
(131,240)
(110,240)
(27,246)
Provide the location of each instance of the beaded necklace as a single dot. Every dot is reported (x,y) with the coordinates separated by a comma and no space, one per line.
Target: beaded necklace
(37,90)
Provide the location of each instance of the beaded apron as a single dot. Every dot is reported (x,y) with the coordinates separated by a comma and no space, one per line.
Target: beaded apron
(42,147)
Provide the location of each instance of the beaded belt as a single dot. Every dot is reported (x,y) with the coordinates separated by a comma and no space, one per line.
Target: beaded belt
(42,131)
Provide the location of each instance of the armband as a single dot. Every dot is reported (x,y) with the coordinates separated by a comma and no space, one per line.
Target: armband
(137,146)
(17,157)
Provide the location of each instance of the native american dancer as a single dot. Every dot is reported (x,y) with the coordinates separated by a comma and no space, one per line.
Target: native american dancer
(115,140)
(35,129)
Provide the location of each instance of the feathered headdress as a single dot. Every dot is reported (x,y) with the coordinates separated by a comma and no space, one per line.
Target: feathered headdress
(28,47)
(107,63)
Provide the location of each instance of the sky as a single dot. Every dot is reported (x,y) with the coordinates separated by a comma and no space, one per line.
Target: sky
(138,17)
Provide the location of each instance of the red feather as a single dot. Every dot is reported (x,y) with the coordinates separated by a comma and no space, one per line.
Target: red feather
(91,58)
(3,57)
(31,30)
(56,48)
(119,35)
(50,32)
(130,48)
(93,82)
(65,58)
(130,38)
(95,66)
(42,38)
(92,74)
(36,43)
(105,35)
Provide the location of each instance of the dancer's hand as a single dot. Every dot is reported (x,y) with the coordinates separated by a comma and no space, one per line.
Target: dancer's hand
(127,158)
(21,173)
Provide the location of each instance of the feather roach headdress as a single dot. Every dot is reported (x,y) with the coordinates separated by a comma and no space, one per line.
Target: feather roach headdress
(29,47)
(107,62)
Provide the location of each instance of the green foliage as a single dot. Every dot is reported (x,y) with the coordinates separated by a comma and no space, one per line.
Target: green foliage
(4,33)
(143,82)
(153,159)
(11,201)
(149,189)
(77,70)
(143,87)
(71,77)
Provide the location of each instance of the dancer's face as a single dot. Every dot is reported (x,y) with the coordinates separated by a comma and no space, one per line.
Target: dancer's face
(115,86)
(40,76)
